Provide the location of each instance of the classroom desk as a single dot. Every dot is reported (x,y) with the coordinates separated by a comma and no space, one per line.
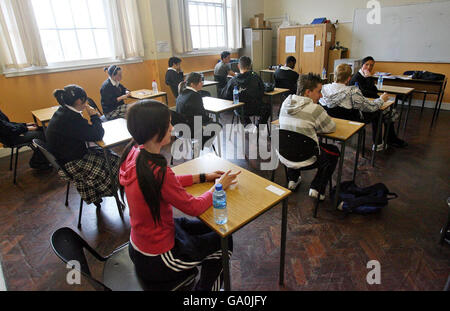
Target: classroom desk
(217,106)
(426,87)
(116,133)
(44,115)
(207,83)
(148,94)
(271,73)
(344,131)
(245,203)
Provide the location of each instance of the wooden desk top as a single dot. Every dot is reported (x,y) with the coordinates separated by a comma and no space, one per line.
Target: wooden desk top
(267,70)
(387,104)
(116,133)
(209,83)
(247,201)
(277,91)
(146,94)
(217,105)
(344,129)
(396,89)
(45,115)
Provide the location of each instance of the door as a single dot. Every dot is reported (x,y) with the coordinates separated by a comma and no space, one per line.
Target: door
(292,37)
(312,54)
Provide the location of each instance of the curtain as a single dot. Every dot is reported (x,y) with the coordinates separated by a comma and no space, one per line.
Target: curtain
(126,28)
(236,24)
(20,42)
(180,26)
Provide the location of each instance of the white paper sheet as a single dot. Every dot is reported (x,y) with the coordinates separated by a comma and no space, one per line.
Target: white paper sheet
(290,44)
(308,44)
(275,190)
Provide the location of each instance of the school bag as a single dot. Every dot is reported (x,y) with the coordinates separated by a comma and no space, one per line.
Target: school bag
(426,75)
(366,200)
(269,87)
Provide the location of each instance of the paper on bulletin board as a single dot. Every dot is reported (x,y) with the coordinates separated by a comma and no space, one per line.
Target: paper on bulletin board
(256,36)
(290,44)
(329,36)
(308,44)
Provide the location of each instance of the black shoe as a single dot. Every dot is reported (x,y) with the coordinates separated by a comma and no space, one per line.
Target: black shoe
(399,143)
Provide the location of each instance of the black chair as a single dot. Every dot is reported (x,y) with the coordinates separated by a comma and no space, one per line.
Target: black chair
(296,147)
(222,83)
(16,147)
(118,270)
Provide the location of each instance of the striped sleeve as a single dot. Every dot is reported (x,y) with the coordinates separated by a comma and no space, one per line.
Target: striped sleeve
(363,103)
(324,124)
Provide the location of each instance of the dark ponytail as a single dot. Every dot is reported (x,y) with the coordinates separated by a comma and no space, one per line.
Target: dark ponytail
(192,78)
(145,120)
(70,95)
(112,70)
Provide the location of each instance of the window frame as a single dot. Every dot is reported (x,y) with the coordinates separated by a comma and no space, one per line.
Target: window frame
(212,50)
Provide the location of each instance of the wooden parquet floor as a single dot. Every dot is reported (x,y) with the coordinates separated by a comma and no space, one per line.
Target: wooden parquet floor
(327,253)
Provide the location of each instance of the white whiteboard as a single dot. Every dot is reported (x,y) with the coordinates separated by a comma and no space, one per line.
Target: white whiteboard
(410,33)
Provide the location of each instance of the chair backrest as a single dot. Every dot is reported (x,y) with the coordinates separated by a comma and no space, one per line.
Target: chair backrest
(69,246)
(222,81)
(296,147)
(49,156)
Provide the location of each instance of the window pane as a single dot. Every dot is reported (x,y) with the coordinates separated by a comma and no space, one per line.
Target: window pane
(193,14)
(52,48)
(69,45)
(103,43)
(87,44)
(204,37)
(212,15)
(195,32)
(219,16)
(221,35)
(80,13)
(97,10)
(212,37)
(203,15)
(62,13)
(43,13)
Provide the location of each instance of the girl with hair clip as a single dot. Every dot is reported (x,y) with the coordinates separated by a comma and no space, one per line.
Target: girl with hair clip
(67,135)
(113,94)
(190,103)
(165,250)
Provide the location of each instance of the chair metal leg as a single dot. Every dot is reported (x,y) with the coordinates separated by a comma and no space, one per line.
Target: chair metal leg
(287,178)
(15,165)
(67,194)
(81,211)
(316,207)
(423,102)
(11,159)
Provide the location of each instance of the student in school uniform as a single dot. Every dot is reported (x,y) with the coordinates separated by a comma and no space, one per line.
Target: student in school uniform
(14,133)
(368,89)
(190,105)
(113,94)
(222,71)
(301,113)
(285,76)
(251,92)
(67,135)
(164,249)
(174,75)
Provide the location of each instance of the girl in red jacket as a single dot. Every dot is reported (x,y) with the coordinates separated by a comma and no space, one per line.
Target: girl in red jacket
(163,249)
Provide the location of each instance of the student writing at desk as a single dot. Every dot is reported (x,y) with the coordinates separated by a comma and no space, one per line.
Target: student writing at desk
(369,89)
(301,113)
(222,71)
(285,76)
(67,134)
(190,104)
(251,92)
(164,249)
(113,94)
(174,75)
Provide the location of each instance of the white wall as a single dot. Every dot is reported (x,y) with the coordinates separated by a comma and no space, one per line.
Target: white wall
(249,9)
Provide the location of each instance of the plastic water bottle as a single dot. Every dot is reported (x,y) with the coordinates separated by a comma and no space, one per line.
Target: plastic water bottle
(155,87)
(380,82)
(357,84)
(203,76)
(235,96)
(220,205)
(324,73)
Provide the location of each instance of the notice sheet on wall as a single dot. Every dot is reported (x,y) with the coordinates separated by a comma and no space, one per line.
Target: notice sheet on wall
(290,44)
(308,44)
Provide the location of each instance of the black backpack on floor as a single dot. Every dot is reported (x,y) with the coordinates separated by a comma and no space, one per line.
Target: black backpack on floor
(363,200)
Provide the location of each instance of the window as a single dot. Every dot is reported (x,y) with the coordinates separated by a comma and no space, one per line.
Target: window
(73,30)
(210,22)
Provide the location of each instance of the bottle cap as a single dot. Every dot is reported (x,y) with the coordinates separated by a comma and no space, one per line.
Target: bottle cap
(219,187)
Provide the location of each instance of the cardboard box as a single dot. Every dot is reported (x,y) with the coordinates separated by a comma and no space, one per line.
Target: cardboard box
(253,22)
(260,16)
(259,23)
